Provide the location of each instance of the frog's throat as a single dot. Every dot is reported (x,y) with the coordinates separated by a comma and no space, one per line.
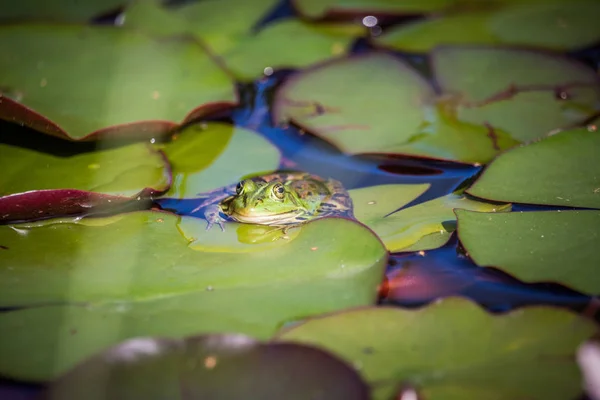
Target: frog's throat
(289,217)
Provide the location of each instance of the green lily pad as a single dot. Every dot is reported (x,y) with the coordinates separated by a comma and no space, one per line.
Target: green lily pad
(478,73)
(445,137)
(57,10)
(402,230)
(476,355)
(557,246)
(526,94)
(560,170)
(208,156)
(38,90)
(424,35)
(531,115)
(39,185)
(219,24)
(246,54)
(321,8)
(558,25)
(204,367)
(270,47)
(321,101)
(136,275)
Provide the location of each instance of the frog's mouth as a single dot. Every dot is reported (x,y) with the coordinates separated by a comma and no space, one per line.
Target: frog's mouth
(289,217)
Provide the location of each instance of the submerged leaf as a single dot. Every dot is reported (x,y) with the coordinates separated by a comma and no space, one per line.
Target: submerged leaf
(537,246)
(453,349)
(136,275)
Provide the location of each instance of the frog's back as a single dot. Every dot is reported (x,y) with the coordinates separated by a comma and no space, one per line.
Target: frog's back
(329,194)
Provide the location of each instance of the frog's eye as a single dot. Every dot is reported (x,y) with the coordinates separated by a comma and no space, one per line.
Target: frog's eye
(239,187)
(278,191)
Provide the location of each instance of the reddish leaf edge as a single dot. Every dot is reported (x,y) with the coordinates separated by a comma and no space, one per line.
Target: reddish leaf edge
(35,205)
(15,112)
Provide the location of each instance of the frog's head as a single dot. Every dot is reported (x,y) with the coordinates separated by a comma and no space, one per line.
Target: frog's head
(259,202)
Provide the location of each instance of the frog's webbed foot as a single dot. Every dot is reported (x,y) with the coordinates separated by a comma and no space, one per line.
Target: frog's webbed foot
(213,216)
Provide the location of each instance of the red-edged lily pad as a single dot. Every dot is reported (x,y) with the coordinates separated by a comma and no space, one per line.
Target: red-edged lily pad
(37,185)
(227,367)
(81,81)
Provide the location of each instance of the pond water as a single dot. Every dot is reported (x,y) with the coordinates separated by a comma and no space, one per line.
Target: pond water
(413,279)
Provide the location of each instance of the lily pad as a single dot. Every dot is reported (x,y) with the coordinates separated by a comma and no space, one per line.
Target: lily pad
(57,10)
(424,35)
(561,170)
(558,25)
(211,155)
(38,91)
(322,8)
(137,275)
(246,54)
(270,47)
(442,135)
(321,101)
(525,93)
(454,349)
(204,367)
(38,185)
(540,246)
(478,73)
(402,230)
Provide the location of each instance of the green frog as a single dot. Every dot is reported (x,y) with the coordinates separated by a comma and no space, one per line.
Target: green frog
(280,199)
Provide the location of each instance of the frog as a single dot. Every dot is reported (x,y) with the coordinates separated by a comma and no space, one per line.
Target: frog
(282,200)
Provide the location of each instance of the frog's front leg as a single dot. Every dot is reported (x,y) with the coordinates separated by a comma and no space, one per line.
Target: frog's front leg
(212,215)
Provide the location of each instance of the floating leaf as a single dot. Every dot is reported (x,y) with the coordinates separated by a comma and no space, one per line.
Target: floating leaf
(57,10)
(178,76)
(209,156)
(557,246)
(479,72)
(363,117)
(561,170)
(38,185)
(377,207)
(270,47)
(559,25)
(424,35)
(443,136)
(220,24)
(204,367)
(321,8)
(525,93)
(137,275)
(475,354)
